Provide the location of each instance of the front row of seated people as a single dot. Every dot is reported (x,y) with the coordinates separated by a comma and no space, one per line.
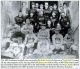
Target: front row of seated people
(25,43)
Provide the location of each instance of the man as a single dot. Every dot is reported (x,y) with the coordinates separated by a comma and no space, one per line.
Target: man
(43,34)
(55,9)
(19,19)
(37,6)
(57,40)
(25,11)
(41,17)
(30,42)
(66,9)
(27,27)
(54,19)
(60,9)
(65,24)
(41,7)
(33,10)
(51,29)
(32,18)
(47,12)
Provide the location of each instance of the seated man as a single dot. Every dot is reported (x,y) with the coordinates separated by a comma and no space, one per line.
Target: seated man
(19,19)
(43,42)
(27,27)
(30,42)
(57,40)
(16,48)
(74,49)
(68,40)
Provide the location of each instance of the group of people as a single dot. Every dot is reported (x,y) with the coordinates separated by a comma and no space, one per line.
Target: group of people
(42,30)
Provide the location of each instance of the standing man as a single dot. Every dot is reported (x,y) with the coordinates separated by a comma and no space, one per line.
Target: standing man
(19,19)
(25,11)
(65,24)
(47,12)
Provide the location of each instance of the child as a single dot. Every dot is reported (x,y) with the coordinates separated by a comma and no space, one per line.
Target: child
(16,48)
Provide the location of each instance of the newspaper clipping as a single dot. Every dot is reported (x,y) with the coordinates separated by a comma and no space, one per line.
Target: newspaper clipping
(40,34)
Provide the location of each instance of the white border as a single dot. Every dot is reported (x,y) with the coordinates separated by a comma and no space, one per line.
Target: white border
(40,0)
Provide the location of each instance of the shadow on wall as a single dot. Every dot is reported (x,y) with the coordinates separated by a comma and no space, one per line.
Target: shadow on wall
(9,10)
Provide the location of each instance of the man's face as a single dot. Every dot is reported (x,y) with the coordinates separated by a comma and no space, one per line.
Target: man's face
(24,4)
(55,6)
(33,6)
(49,23)
(31,14)
(51,8)
(64,5)
(41,7)
(27,21)
(46,5)
(37,5)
